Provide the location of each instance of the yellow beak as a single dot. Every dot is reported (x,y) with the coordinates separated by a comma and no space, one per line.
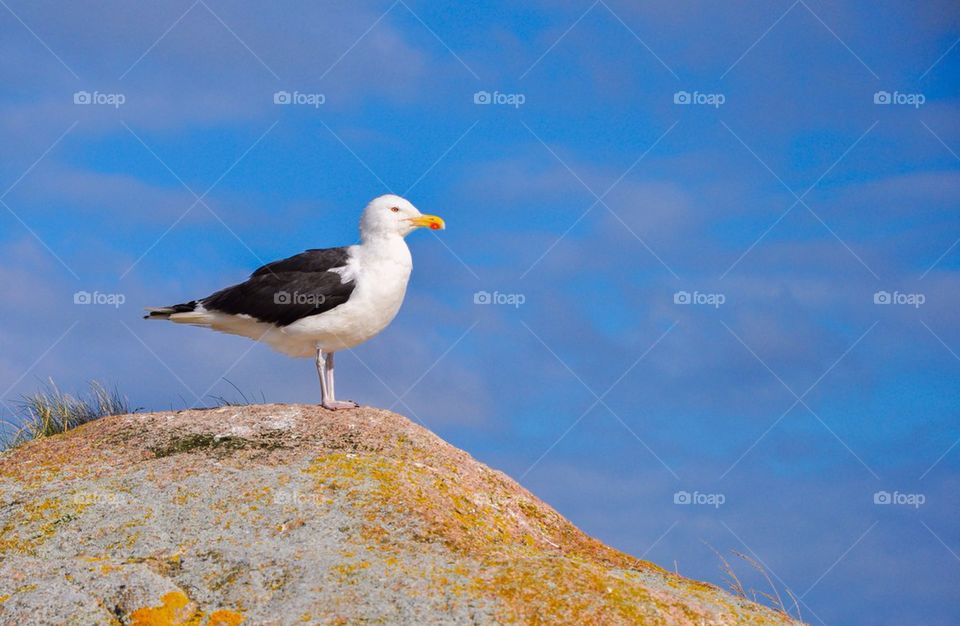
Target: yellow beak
(430,221)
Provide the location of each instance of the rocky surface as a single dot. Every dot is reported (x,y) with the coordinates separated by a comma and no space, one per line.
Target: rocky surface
(289,514)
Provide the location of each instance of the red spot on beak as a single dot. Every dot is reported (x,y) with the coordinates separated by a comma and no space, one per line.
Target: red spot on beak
(434,226)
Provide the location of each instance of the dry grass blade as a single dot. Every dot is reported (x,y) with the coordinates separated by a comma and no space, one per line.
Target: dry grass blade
(796,603)
(51,411)
(734,582)
(774,600)
(763,572)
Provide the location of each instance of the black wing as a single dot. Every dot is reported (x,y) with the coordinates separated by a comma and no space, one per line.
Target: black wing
(285,291)
(318,260)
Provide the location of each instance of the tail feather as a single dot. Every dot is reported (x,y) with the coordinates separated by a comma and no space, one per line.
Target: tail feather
(164,313)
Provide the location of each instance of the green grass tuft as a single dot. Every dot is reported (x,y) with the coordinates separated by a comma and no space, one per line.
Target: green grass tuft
(51,412)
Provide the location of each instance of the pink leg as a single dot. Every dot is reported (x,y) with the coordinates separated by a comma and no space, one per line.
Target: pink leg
(329,398)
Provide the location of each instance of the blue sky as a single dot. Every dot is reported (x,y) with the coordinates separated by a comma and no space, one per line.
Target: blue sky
(786,198)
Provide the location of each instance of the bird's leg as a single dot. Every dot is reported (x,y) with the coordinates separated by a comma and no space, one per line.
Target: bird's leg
(330,401)
(329,368)
(322,373)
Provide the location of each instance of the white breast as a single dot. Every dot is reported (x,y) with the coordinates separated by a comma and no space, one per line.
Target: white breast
(380,271)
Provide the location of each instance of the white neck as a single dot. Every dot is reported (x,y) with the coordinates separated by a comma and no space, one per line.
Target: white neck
(379,237)
(385,248)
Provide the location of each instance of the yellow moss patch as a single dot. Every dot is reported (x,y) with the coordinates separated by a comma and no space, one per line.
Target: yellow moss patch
(542,589)
(35,522)
(183,496)
(347,571)
(538,566)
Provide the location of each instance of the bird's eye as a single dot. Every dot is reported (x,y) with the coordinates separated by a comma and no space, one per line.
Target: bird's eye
(395,209)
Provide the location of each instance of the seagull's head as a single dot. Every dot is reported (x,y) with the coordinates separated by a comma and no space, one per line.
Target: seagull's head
(392,215)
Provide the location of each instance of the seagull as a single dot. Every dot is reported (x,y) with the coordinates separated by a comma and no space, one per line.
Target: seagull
(320,301)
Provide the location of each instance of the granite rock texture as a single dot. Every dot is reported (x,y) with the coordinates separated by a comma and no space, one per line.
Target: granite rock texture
(290,514)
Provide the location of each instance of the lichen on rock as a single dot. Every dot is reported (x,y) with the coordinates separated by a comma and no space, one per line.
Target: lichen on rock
(283,514)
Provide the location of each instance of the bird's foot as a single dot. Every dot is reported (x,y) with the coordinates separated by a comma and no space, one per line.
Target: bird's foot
(336,405)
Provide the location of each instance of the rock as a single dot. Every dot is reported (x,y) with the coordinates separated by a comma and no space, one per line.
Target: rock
(288,514)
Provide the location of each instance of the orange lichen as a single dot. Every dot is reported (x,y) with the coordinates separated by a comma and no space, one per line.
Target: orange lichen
(413,514)
(534,563)
(224,617)
(175,610)
(178,610)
